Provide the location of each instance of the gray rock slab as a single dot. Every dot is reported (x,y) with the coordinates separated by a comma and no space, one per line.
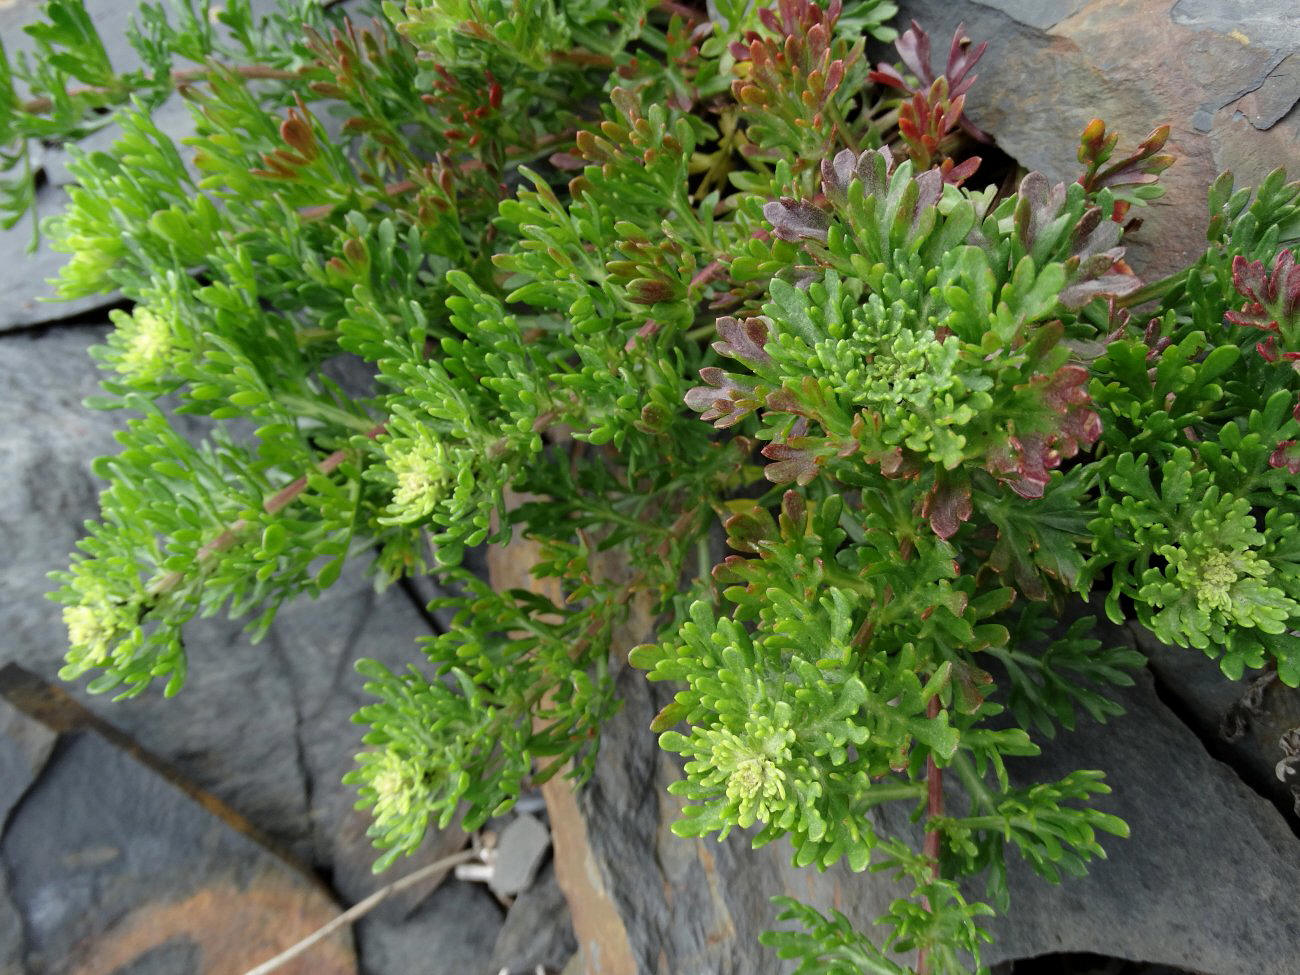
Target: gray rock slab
(1219,72)
(112,867)
(520,850)
(451,933)
(1206,880)
(1247,738)
(25,746)
(1205,883)
(537,930)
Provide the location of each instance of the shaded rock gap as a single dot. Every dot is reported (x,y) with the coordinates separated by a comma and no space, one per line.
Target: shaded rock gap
(96,318)
(1218,749)
(421,606)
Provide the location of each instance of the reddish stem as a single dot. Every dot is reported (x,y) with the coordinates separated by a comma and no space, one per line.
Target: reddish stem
(706,274)
(272,505)
(934,809)
(35,106)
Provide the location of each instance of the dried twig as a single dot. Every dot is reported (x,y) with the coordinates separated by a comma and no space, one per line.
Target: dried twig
(362,908)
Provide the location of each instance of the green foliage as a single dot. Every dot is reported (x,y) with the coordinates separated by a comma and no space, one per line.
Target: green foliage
(1197,467)
(473,272)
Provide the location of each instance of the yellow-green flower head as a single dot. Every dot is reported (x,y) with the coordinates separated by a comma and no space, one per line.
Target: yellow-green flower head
(146,343)
(92,628)
(422,469)
(1216,575)
(1214,579)
(755,779)
(399,786)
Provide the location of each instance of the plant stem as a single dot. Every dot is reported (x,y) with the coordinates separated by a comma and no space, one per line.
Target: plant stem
(361,909)
(1153,290)
(934,809)
(707,274)
(34,106)
(272,505)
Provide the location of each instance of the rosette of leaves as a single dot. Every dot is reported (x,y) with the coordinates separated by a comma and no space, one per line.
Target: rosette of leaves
(1196,465)
(931,109)
(929,345)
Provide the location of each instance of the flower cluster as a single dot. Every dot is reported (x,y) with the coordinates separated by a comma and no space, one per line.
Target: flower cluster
(422,470)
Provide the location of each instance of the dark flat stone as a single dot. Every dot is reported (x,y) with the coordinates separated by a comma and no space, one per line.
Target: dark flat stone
(113,866)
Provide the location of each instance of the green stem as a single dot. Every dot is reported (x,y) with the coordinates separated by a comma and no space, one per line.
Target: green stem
(324,411)
(1154,290)
(888,792)
(961,764)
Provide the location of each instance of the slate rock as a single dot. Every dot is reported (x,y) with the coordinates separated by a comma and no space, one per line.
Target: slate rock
(25,746)
(1222,73)
(537,930)
(113,867)
(451,933)
(1205,883)
(1240,722)
(520,850)
(47,442)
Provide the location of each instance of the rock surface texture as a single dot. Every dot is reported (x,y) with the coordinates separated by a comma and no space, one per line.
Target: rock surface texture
(1224,74)
(110,866)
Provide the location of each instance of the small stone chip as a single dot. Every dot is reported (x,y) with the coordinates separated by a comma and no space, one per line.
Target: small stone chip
(520,850)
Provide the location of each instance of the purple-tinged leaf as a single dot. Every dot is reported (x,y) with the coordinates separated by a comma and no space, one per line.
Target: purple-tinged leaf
(929,187)
(1273,298)
(784,401)
(724,401)
(749,526)
(1286,455)
(794,513)
(1039,204)
(742,340)
(947,506)
(795,220)
(956,175)
(795,464)
(914,48)
(1075,296)
(888,76)
(962,56)
(837,173)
